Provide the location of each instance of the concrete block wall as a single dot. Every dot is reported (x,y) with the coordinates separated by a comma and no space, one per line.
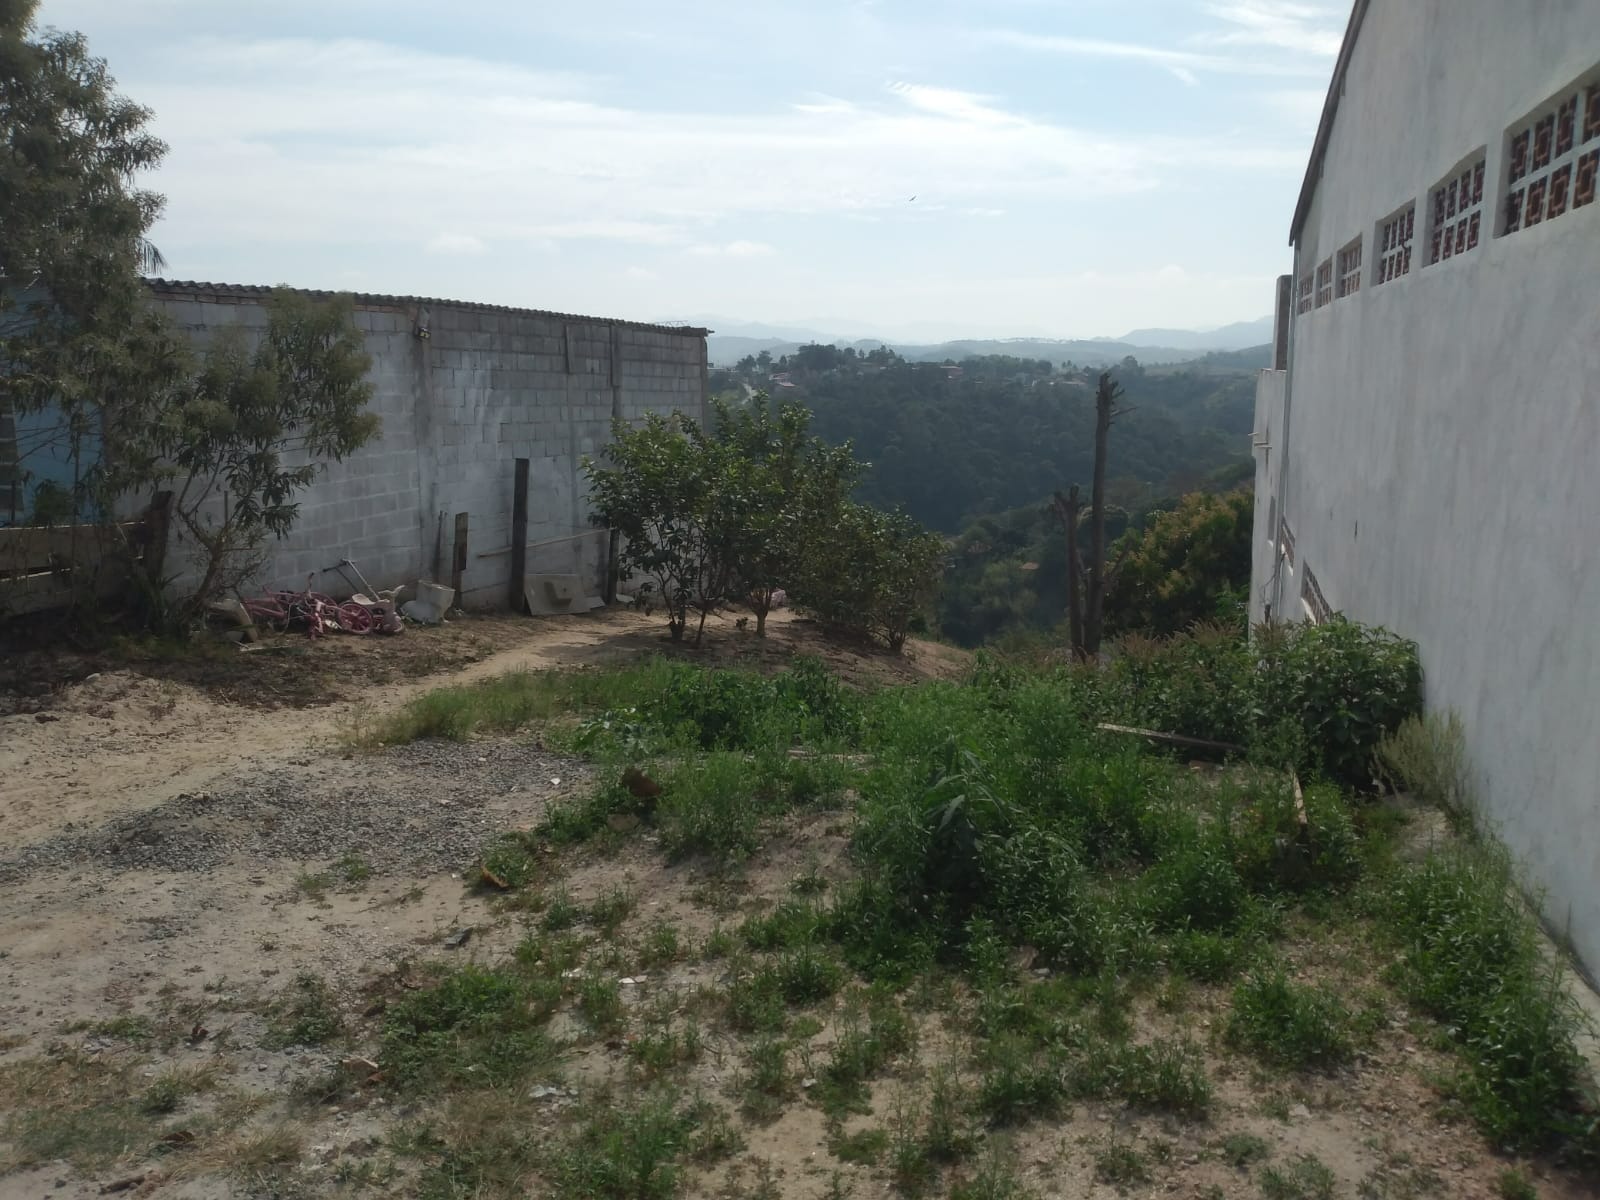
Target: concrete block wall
(485,387)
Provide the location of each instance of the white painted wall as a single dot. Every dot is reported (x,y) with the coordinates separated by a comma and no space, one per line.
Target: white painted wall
(485,388)
(1442,466)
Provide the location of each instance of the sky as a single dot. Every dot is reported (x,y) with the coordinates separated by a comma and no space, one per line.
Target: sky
(900,168)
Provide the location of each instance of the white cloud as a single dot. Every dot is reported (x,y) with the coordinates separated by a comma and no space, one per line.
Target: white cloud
(446,174)
(1098,48)
(644,233)
(1182,63)
(456,243)
(740,249)
(824,104)
(1280,24)
(956,105)
(357,141)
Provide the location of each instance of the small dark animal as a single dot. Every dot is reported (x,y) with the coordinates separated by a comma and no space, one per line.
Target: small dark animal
(640,784)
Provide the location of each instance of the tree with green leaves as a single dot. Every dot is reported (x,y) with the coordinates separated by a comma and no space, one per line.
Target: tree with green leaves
(754,505)
(1186,566)
(250,430)
(872,574)
(675,495)
(75,332)
(238,436)
(794,483)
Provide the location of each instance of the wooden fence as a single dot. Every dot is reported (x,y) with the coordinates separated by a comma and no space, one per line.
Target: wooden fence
(45,567)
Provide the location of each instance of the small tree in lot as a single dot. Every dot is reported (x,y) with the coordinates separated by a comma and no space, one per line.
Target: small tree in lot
(793,483)
(755,505)
(250,430)
(674,495)
(239,436)
(871,573)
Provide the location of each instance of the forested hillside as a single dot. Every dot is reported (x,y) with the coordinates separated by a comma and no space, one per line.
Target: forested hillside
(975,449)
(954,442)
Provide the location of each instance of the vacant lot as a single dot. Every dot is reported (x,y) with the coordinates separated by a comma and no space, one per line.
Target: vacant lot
(624,927)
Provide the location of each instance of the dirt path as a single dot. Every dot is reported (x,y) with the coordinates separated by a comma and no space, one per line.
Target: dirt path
(176,860)
(121,741)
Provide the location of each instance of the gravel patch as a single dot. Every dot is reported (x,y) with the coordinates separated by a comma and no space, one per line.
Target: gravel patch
(414,809)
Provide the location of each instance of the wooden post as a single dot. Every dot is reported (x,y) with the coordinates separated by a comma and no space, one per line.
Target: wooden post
(459,562)
(159,523)
(519,536)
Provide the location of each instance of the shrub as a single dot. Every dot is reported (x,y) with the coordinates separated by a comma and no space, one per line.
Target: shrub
(307,1015)
(1345,686)
(1163,1075)
(1197,888)
(1313,697)
(1288,1024)
(476,1024)
(874,574)
(712,807)
(1019,1083)
(755,1002)
(1306,1178)
(1201,683)
(1427,757)
(1472,958)
(808,975)
(627,1153)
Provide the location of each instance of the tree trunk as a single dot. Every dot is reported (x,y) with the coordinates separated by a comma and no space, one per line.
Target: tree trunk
(1104,411)
(762,605)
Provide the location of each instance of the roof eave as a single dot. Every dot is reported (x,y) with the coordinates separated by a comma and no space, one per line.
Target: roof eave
(186,287)
(1330,108)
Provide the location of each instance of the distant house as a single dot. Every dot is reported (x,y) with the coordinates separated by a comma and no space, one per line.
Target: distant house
(1428,443)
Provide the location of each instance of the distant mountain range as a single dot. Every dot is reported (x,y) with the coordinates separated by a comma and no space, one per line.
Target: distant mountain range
(731,340)
(1237,336)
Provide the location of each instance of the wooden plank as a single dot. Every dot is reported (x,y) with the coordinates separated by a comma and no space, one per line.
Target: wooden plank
(36,593)
(26,549)
(519,535)
(1172,739)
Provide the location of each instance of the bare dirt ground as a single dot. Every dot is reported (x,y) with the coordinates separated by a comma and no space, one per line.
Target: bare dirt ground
(186,877)
(170,829)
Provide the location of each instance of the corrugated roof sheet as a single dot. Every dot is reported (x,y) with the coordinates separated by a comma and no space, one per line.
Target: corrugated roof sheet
(185,287)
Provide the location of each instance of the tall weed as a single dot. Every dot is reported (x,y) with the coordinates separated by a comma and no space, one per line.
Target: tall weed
(1427,756)
(1471,956)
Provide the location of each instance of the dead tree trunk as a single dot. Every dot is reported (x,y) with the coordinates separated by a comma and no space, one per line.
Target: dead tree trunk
(1067,513)
(1105,411)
